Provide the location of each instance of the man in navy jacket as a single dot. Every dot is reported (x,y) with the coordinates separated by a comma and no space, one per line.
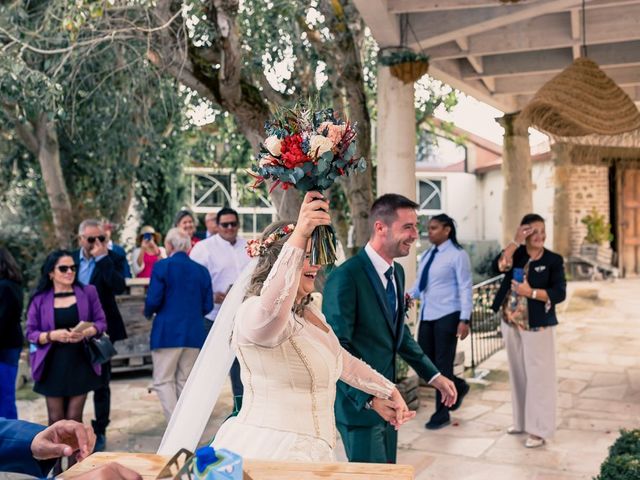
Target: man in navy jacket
(180,295)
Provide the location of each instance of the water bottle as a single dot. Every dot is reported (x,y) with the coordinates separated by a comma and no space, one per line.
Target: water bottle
(518,276)
(218,464)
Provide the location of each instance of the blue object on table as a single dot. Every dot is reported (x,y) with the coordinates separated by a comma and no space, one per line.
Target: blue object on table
(218,464)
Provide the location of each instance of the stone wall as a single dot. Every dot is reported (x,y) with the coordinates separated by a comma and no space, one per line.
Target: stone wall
(588,189)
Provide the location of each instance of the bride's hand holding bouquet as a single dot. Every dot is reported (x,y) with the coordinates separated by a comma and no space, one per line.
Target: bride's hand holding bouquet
(314,212)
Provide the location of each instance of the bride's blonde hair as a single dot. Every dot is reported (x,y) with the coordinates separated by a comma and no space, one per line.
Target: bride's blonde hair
(267,258)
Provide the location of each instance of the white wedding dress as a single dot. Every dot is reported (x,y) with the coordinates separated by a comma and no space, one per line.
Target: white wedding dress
(289,370)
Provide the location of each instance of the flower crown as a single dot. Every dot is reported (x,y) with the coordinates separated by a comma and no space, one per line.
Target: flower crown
(257,247)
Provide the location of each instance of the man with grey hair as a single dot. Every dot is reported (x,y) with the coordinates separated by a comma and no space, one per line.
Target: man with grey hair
(100,267)
(210,221)
(180,295)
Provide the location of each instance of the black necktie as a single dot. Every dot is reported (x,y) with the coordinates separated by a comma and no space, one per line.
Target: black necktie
(391,291)
(424,278)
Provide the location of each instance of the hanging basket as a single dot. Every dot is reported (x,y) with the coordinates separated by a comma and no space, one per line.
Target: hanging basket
(404,63)
(410,72)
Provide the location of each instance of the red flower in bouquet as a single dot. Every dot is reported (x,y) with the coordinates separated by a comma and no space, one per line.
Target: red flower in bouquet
(292,154)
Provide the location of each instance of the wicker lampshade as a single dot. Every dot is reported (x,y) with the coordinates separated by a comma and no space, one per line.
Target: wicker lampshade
(582,101)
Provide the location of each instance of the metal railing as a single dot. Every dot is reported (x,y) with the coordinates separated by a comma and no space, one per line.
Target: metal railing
(486,337)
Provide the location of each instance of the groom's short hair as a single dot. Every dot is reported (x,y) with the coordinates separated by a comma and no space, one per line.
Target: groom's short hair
(385,207)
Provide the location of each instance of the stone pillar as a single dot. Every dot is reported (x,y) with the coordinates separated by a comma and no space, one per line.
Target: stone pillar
(396,146)
(561,153)
(517,199)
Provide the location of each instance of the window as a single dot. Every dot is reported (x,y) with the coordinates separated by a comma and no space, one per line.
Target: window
(430,196)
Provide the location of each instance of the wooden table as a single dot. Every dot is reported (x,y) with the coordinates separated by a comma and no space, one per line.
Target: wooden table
(148,465)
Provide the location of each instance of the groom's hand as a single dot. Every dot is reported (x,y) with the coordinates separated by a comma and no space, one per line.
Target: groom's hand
(385,408)
(447,389)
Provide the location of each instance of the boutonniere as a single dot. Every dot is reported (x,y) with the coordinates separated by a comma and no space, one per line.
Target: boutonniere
(409,302)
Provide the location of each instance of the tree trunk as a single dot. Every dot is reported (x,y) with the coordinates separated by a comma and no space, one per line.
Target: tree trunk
(49,158)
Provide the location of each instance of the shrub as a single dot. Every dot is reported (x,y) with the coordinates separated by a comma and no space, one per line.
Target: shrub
(623,462)
(620,467)
(627,443)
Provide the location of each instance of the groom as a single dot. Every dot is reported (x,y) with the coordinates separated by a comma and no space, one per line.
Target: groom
(364,304)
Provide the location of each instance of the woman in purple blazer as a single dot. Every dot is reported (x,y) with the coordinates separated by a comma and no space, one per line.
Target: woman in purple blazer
(59,362)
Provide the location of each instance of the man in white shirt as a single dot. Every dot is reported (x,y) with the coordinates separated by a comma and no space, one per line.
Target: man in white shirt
(225,256)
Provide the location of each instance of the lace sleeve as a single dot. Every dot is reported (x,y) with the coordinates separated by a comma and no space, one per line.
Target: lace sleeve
(359,375)
(269,315)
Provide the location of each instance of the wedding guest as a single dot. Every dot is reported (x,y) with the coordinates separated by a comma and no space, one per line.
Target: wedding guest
(31,449)
(186,222)
(147,252)
(100,267)
(10,331)
(224,255)
(290,358)
(365,305)
(180,295)
(59,363)
(211,224)
(528,327)
(444,288)
(107,228)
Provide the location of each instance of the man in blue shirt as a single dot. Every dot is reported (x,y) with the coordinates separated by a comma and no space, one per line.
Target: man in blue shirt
(443,286)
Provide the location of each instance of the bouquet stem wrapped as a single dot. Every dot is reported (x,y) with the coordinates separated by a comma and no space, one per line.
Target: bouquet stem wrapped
(309,150)
(323,245)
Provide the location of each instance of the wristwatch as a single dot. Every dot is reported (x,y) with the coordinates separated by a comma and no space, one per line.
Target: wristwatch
(534,293)
(369,404)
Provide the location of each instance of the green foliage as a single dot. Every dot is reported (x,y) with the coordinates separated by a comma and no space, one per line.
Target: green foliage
(627,443)
(623,462)
(397,55)
(598,230)
(621,467)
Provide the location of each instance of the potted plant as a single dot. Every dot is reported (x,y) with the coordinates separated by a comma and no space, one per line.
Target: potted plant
(404,63)
(598,235)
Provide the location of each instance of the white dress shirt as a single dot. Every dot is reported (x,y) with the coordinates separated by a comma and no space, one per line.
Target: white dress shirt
(224,261)
(381,266)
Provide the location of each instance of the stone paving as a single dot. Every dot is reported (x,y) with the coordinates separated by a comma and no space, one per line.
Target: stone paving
(599,393)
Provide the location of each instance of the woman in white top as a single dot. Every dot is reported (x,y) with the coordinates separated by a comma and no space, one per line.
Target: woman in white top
(290,358)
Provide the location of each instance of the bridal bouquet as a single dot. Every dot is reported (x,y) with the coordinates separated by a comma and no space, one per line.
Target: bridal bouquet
(309,150)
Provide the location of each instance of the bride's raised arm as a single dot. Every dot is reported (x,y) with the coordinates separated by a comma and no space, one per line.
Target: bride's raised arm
(267,317)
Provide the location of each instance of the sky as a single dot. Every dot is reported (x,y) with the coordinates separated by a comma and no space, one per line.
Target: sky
(479,118)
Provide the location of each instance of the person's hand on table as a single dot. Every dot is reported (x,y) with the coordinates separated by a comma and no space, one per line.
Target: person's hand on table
(63,439)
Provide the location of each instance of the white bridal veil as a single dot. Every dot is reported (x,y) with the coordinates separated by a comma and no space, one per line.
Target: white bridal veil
(208,375)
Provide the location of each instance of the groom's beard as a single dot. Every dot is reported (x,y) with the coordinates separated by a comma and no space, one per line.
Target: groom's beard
(397,247)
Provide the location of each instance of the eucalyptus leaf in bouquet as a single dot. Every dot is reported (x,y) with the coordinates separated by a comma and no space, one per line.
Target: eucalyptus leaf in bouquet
(309,150)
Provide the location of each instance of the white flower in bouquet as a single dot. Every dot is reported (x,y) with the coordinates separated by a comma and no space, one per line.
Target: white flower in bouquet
(268,160)
(318,145)
(274,145)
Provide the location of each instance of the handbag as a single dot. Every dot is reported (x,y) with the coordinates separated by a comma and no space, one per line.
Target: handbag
(100,349)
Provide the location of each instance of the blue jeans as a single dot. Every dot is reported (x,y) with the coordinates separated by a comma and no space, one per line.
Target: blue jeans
(9,358)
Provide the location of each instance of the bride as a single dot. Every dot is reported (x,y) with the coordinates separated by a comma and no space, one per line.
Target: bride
(290,358)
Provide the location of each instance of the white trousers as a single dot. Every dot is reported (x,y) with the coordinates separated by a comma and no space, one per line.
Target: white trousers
(171,368)
(532,371)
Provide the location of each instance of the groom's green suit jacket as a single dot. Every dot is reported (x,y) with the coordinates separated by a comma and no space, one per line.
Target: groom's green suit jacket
(355,305)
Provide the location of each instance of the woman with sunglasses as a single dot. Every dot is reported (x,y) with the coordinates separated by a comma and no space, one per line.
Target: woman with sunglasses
(62,314)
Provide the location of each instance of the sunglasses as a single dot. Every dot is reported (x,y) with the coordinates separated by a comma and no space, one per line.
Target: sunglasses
(102,238)
(66,268)
(229,224)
